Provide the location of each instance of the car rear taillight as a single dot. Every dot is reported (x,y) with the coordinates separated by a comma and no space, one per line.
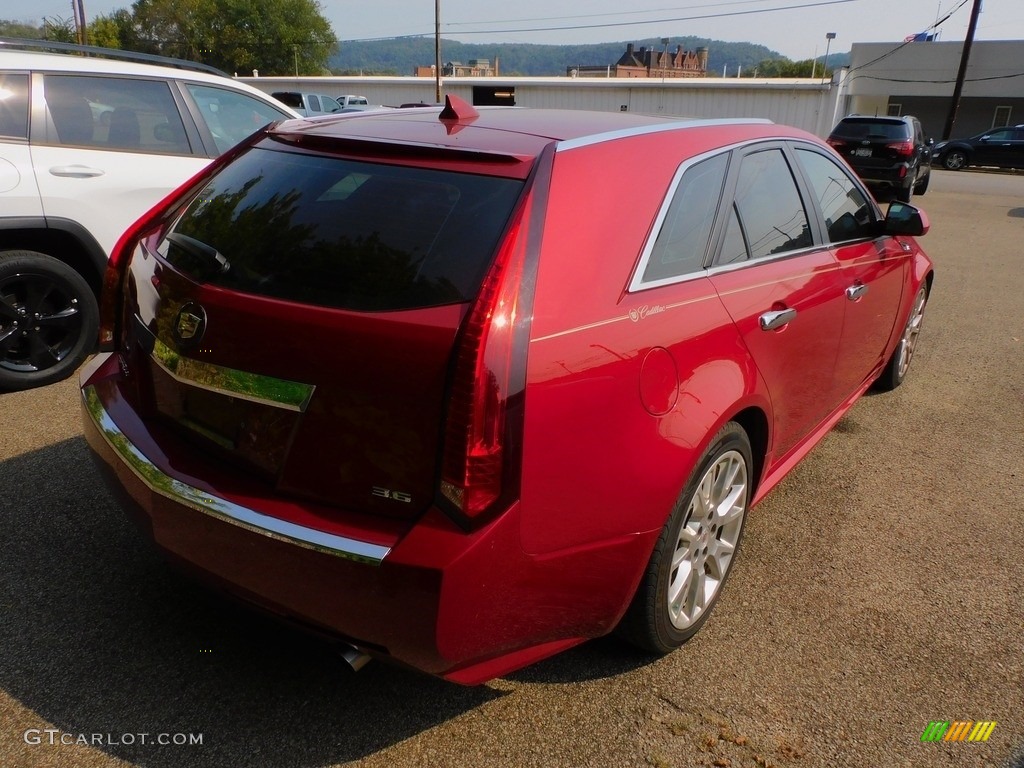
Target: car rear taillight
(836,143)
(165,210)
(905,148)
(483,434)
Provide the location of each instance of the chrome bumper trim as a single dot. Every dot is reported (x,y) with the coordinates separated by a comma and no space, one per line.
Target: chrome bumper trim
(202,501)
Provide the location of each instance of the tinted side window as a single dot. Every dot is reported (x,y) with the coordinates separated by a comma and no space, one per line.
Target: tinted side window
(314,103)
(14,105)
(114,113)
(342,233)
(289,99)
(768,215)
(231,116)
(847,212)
(683,238)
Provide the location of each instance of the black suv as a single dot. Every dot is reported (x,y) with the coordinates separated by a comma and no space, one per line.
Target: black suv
(1000,147)
(888,153)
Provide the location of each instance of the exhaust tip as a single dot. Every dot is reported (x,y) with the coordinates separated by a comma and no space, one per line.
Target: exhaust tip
(354,657)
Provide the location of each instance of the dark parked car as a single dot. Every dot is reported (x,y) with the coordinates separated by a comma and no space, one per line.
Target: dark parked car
(999,147)
(889,153)
(418,379)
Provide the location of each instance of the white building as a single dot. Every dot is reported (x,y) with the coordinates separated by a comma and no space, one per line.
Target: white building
(918,79)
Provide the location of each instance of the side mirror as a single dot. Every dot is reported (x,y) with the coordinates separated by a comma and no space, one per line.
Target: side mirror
(905,219)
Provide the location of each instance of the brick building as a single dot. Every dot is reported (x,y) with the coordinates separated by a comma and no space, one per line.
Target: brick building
(648,62)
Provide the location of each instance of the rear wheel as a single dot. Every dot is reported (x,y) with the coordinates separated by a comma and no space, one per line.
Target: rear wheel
(955,159)
(48,320)
(903,194)
(922,186)
(696,549)
(896,369)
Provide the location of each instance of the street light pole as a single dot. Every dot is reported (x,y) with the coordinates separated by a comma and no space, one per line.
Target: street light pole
(829,37)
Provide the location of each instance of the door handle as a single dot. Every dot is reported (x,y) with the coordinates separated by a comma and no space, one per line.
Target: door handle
(854,292)
(76,171)
(777,318)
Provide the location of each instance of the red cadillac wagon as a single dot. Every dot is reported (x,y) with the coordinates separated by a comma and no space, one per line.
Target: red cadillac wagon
(463,388)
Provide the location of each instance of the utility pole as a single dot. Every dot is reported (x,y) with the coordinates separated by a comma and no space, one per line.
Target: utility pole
(962,74)
(437,51)
(81,15)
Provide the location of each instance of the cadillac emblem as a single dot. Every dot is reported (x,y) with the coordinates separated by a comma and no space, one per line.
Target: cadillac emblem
(190,324)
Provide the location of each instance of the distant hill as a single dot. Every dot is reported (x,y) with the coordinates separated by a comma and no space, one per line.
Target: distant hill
(402,55)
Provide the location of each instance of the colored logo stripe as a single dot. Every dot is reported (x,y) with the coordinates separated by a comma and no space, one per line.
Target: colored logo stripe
(958,730)
(982,731)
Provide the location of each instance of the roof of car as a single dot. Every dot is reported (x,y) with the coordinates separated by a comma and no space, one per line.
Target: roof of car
(506,130)
(15,59)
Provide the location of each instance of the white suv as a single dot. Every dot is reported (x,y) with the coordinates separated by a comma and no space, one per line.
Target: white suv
(87,145)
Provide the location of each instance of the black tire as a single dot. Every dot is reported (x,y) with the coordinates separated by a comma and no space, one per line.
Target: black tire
(693,529)
(954,160)
(49,320)
(922,186)
(896,369)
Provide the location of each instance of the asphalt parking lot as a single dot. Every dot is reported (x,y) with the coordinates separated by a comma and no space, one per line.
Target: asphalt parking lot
(879,590)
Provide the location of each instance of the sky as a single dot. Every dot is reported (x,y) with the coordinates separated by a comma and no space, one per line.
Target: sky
(795,28)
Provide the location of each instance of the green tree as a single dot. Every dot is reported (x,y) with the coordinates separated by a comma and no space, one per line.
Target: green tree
(105,32)
(58,29)
(787,68)
(273,36)
(19,29)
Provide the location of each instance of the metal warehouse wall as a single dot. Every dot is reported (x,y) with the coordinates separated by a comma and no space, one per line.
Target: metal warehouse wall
(805,103)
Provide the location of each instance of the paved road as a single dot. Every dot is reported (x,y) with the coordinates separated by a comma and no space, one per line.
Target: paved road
(879,590)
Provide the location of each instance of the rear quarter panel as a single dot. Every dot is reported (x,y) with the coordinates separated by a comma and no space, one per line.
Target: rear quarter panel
(600,461)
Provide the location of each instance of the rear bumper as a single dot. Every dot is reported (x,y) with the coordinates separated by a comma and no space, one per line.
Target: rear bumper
(897,176)
(464,606)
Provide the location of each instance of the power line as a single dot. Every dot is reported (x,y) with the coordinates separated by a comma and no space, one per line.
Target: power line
(605,25)
(598,15)
(939,82)
(904,44)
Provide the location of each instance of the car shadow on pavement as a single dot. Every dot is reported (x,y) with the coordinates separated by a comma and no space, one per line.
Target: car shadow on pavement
(99,636)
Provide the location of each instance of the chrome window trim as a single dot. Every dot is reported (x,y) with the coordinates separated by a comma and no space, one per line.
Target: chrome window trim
(720,268)
(644,130)
(210,504)
(636,283)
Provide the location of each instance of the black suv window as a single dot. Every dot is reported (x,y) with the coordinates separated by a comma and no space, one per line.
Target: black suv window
(872,128)
(342,233)
(767,215)
(14,105)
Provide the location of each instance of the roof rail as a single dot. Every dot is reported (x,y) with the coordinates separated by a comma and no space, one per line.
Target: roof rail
(20,43)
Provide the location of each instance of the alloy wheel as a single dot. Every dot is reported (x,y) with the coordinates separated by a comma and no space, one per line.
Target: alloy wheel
(708,540)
